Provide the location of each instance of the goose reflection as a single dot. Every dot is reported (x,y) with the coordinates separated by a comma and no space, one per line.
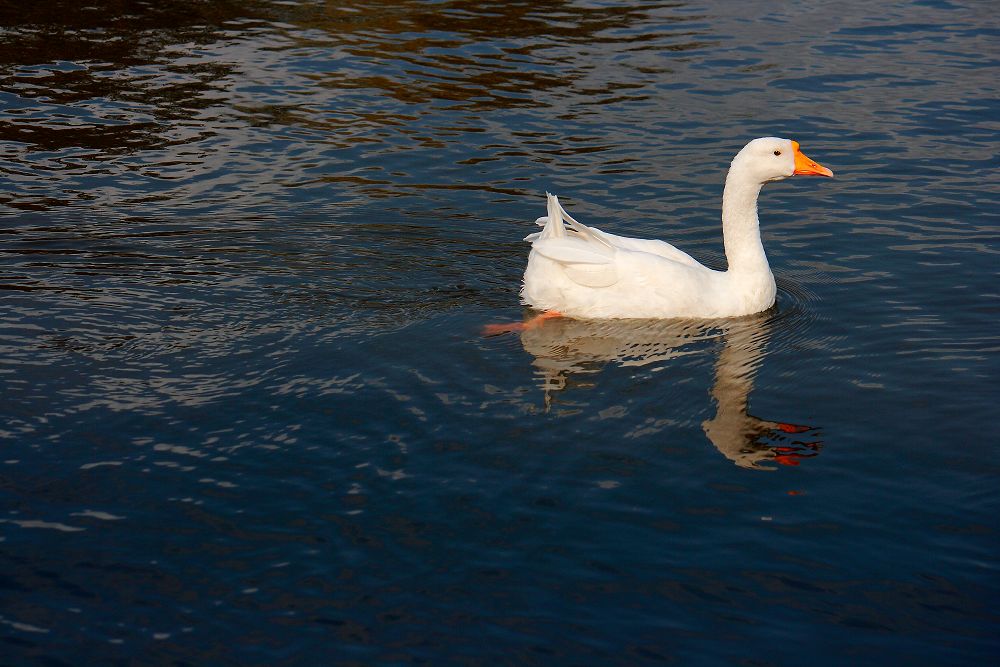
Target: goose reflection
(564,348)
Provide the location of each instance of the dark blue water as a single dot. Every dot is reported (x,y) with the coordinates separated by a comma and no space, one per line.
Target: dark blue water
(249,417)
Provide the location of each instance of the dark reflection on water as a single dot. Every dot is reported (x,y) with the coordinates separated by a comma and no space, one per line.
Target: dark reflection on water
(246,252)
(108,68)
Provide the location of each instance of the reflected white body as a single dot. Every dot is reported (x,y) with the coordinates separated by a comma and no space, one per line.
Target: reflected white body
(563,348)
(583,272)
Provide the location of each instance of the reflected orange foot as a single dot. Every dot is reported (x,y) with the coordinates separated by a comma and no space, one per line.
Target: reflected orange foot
(793,428)
(792,456)
(517,327)
(786,460)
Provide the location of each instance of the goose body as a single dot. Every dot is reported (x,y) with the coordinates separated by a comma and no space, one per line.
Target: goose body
(582,272)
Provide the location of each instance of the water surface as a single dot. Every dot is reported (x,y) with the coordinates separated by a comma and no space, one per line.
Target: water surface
(249,416)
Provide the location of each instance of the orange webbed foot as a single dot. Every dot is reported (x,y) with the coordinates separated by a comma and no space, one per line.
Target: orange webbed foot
(517,327)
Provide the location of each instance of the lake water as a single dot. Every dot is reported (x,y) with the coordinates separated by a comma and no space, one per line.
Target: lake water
(249,416)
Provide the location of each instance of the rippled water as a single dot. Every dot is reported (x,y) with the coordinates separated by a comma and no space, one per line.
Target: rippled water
(249,417)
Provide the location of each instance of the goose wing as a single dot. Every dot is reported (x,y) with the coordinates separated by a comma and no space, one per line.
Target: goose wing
(593,258)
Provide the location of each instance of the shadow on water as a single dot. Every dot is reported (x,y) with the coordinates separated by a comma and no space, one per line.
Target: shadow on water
(564,347)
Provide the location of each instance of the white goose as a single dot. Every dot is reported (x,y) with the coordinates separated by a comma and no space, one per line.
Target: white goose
(582,272)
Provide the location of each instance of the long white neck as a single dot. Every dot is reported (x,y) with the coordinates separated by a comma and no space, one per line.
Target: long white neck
(740,226)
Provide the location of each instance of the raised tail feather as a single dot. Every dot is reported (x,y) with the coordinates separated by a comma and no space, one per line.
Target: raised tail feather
(553,225)
(583,254)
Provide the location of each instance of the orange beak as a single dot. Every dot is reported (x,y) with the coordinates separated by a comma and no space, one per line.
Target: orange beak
(806,167)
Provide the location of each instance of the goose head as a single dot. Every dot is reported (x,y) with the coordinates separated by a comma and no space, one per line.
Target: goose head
(772,159)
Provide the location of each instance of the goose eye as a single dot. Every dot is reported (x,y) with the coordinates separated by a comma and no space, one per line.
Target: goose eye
(777,152)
